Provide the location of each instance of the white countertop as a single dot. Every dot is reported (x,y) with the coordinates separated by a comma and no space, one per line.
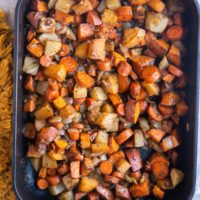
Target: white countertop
(9,6)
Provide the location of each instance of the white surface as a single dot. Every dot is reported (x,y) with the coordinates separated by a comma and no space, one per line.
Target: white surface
(9,6)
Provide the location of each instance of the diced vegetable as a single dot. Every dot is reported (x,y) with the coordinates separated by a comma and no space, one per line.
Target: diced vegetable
(133,37)
(97,49)
(156,22)
(64,6)
(177,176)
(113,4)
(56,189)
(87,184)
(108,121)
(48,162)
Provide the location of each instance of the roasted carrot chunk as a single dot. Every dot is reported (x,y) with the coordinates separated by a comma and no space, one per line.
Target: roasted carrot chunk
(124,135)
(69,63)
(106,167)
(84,80)
(42,184)
(174,33)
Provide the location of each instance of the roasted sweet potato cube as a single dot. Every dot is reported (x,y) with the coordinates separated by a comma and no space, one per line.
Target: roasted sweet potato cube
(174,55)
(125,13)
(122,165)
(57,72)
(99,148)
(85,140)
(82,7)
(87,184)
(63,18)
(142,189)
(157,192)
(29,105)
(59,102)
(115,99)
(64,6)
(39,6)
(116,156)
(138,2)
(35,48)
(133,37)
(81,50)
(156,5)
(156,134)
(44,112)
(67,111)
(109,17)
(97,49)
(85,31)
(47,25)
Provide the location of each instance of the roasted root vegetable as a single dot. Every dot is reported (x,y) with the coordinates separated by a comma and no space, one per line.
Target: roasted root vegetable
(104,97)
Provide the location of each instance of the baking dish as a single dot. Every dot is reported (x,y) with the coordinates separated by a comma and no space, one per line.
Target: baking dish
(24,176)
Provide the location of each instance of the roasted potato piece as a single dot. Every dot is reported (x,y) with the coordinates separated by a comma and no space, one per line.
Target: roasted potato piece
(31,65)
(97,49)
(52,47)
(64,6)
(82,7)
(70,182)
(122,165)
(48,162)
(156,22)
(57,72)
(157,192)
(169,142)
(133,37)
(109,17)
(177,176)
(97,93)
(87,184)
(79,92)
(108,121)
(67,111)
(110,84)
(139,140)
(113,4)
(102,137)
(85,31)
(152,88)
(117,58)
(47,25)
(68,195)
